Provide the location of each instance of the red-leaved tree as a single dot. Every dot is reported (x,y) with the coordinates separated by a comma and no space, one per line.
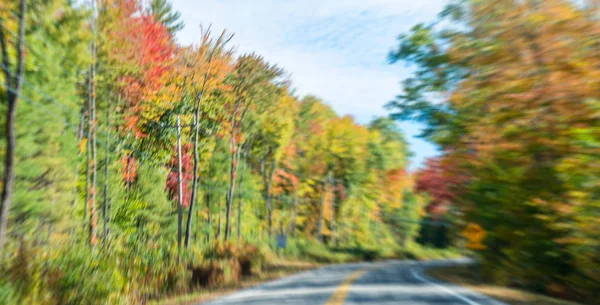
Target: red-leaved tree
(442,181)
(186,174)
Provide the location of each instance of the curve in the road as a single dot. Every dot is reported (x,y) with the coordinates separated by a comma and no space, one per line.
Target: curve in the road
(383,283)
(443,288)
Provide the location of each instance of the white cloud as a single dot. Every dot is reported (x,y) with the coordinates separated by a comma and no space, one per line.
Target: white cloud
(335,49)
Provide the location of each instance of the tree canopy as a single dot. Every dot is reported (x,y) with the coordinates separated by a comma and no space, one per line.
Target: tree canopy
(509,90)
(140,161)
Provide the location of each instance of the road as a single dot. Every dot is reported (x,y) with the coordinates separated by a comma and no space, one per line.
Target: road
(381,283)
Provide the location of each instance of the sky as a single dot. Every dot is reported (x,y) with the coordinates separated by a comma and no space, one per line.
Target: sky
(334,49)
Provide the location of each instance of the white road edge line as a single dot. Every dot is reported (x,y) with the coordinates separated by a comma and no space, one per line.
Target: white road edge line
(446,289)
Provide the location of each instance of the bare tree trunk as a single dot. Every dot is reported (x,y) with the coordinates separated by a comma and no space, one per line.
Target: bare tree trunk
(230,194)
(188,229)
(239,207)
(80,131)
(106,173)
(93,223)
(240,191)
(321,214)
(209,216)
(232,174)
(179,188)
(14,84)
(93,164)
(88,158)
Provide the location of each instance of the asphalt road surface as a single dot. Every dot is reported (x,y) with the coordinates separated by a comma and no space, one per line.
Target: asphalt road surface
(381,283)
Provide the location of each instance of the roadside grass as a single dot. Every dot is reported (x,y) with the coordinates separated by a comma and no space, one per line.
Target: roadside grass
(464,276)
(413,250)
(275,269)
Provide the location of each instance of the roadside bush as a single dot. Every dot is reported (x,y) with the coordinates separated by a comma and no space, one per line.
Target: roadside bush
(370,255)
(69,274)
(359,253)
(251,259)
(315,251)
(226,263)
(208,274)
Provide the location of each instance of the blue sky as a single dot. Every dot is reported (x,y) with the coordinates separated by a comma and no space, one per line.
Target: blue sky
(335,49)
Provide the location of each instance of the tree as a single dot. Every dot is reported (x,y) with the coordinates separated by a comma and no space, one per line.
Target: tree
(274,132)
(310,138)
(210,63)
(501,93)
(172,183)
(393,149)
(442,182)
(131,87)
(163,11)
(287,183)
(580,173)
(250,77)
(409,217)
(13,84)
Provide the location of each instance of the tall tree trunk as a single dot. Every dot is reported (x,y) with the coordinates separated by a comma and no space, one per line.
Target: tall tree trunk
(321,220)
(332,221)
(230,194)
(188,229)
(209,216)
(240,191)
(106,173)
(80,132)
(239,207)
(321,214)
(179,188)
(13,90)
(93,223)
(88,160)
(232,174)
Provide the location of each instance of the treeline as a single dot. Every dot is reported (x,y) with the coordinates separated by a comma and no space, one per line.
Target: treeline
(510,90)
(139,163)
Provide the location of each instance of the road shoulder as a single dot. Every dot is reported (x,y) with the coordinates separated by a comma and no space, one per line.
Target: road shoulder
(275,271)
(463,276)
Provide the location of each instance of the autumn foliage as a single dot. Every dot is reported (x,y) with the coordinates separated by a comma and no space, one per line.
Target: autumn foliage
(172,186)
(517,83)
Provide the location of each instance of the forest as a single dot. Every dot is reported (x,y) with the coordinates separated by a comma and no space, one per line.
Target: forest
(136,167)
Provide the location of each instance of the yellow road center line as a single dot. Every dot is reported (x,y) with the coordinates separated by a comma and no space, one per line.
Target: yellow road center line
(339,295)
